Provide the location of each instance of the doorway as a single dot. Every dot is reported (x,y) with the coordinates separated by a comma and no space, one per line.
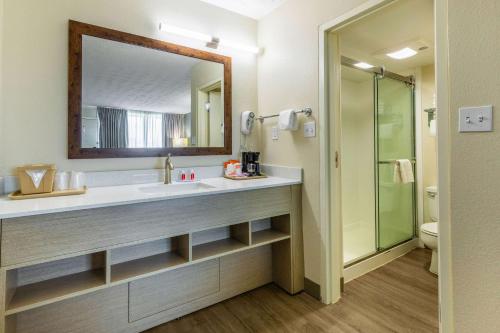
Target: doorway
(332,47)
(210,115)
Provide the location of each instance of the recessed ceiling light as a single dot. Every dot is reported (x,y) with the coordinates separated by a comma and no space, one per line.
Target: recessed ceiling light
(363,65)
(402,54)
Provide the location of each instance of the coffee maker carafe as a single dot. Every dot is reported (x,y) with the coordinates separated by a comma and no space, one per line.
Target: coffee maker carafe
(250,163)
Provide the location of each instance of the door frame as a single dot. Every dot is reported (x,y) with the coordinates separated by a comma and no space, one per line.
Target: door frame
(329,135)
(203,91)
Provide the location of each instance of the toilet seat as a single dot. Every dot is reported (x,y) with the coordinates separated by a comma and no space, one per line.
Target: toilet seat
(430,228)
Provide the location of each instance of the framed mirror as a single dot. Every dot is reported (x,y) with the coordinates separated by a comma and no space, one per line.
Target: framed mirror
(132,96)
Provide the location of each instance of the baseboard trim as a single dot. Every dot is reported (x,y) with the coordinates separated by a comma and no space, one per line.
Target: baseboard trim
(312,289)
(372,263)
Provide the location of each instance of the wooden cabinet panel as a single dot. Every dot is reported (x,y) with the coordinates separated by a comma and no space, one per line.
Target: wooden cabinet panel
(161,292)
(104,311)
(37,237)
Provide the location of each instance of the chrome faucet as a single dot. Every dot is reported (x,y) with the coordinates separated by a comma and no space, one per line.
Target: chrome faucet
(168,169)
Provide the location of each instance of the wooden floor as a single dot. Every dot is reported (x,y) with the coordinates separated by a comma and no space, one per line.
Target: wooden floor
(399,297)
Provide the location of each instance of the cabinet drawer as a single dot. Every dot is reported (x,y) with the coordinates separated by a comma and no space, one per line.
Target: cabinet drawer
(159,293)
(31,238)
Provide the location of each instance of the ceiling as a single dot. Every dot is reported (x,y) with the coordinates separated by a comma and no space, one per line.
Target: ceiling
(135,78)
(396,26)
(255,9)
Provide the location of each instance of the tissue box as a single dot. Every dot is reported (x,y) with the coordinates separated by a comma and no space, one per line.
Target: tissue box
(36,178)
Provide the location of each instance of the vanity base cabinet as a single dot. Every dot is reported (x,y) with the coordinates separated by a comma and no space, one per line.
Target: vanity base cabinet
(148,302)
(75,272)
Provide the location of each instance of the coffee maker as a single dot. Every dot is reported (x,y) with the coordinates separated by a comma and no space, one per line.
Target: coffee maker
(250,163)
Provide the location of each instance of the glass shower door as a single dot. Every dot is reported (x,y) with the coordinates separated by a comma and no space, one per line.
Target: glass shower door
(395,139)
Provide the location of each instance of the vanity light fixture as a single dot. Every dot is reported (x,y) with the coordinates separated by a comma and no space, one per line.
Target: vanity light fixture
(363,65)
(402,54)
(211,41)
(172,29)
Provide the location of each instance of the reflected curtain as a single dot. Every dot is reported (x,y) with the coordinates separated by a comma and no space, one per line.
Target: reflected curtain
(173,128)
(113,127)
(145,129)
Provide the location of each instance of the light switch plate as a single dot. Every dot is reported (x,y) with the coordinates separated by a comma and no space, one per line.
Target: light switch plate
(476,119)
(274,133)
(310,129)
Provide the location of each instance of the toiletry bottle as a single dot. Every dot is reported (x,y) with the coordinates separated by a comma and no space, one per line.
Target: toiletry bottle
(192,175)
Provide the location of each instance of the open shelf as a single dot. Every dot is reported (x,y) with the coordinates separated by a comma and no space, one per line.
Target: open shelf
(216,248)
(37,285)
(270,230)
(268,236)
(220,241)
(138,260)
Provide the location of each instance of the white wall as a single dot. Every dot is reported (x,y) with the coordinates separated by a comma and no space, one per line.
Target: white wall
(474,65)
(429,151)
(34,59)
(288,78)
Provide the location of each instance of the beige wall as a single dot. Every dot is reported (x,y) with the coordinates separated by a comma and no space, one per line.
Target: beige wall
(34,55)
(429,152)
(475,166)
(288,78)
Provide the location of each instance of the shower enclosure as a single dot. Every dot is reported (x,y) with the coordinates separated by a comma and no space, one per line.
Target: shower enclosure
(378,128)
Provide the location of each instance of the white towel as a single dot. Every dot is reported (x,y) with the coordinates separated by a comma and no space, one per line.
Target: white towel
(288,120)
(403,172)
(433,127)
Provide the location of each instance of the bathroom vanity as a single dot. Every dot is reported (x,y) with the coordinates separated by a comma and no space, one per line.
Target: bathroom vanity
(128,258)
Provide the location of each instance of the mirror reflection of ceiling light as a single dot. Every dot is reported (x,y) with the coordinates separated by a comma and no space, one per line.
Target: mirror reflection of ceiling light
(211,41)
(402,54)
(363,65)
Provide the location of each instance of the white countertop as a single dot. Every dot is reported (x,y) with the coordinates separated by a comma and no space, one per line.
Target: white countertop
(129,194)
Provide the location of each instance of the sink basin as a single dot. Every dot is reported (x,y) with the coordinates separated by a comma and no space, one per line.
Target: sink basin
(175,188)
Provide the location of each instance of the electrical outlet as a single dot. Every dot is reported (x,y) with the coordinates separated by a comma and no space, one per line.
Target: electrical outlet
(310,129)
(274,133)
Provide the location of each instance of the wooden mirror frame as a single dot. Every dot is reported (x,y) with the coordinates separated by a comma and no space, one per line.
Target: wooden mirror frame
(75,150)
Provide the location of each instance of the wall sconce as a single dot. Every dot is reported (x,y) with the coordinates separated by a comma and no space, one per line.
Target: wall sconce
(211,41)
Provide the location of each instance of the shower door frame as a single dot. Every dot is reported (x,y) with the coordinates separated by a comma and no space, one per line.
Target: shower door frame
(409,81)
(380,73)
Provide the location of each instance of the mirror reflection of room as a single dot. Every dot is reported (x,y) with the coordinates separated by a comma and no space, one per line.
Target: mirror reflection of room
(136,97)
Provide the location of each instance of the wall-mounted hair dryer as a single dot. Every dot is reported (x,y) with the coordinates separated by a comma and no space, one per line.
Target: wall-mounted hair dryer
(247,120)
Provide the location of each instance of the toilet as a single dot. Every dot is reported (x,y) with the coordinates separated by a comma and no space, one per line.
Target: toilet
(429,231)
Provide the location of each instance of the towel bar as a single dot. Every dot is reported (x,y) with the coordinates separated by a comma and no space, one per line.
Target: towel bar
(307,111)
(412,160)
